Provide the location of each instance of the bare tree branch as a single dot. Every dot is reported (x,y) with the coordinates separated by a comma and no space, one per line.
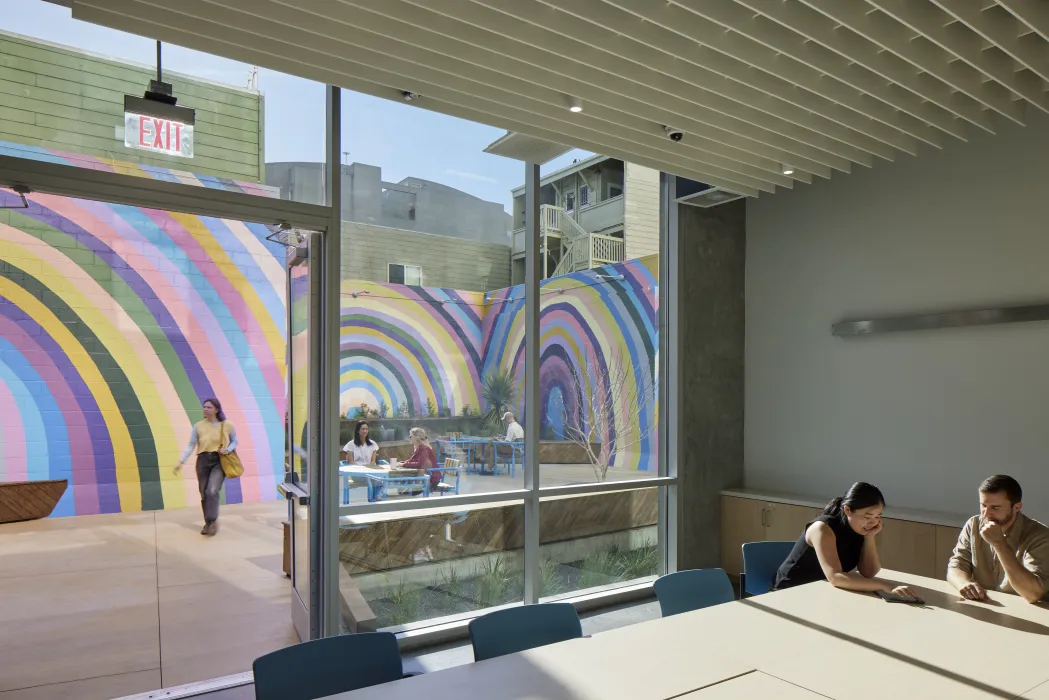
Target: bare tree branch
(613,397)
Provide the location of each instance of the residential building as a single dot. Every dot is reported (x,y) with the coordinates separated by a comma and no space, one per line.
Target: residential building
(415,232)
(596,211)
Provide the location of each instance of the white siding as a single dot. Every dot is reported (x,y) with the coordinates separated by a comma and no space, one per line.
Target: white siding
(449,262)
(641,212)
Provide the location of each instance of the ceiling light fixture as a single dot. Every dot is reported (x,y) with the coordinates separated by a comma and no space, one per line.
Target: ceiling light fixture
(788,170)
(574,105)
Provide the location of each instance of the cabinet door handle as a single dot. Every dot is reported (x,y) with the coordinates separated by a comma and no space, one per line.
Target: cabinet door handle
(768,517)
(763,511)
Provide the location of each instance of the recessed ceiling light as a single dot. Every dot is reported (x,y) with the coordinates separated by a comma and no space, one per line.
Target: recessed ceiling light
(788,170)
(574,105)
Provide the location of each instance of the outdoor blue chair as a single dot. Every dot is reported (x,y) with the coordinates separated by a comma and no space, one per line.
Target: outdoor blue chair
(444,487)
(328,666)
(692,590)
(509,461)
(526,627)
(761,561)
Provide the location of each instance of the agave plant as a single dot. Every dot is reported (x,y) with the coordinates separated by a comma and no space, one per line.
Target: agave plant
(499,392)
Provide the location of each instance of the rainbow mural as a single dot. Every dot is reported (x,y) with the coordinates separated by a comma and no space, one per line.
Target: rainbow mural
(591,324)
(409,347)
(115,322)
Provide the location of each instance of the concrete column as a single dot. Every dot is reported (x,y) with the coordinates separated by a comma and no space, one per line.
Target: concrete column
(711,266)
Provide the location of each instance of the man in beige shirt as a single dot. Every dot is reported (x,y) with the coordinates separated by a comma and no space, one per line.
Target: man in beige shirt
(1001,549)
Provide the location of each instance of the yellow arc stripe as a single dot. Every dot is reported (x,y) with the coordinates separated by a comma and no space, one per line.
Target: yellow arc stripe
(123,448)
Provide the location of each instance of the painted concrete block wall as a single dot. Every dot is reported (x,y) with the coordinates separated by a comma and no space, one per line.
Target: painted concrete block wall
(448,262)
(64,99)
(413,344)
(924,415)
(115,323)
(587,328)
(641,211)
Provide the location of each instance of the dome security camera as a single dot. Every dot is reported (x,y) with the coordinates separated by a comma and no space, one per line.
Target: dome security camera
(674,134)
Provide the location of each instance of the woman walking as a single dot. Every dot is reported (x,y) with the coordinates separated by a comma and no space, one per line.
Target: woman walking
(212,438)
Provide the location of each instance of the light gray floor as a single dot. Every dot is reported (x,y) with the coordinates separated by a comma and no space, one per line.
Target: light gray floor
(459,653)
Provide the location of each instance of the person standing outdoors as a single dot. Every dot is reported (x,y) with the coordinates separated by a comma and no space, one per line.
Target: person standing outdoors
(211,438)
(1001,549)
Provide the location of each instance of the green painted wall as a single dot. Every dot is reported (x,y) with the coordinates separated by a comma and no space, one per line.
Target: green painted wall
(63,99)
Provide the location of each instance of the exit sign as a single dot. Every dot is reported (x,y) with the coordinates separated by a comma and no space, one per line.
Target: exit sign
(158,135)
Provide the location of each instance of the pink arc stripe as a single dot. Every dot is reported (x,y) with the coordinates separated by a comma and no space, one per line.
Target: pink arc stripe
(82,459)
(14,466)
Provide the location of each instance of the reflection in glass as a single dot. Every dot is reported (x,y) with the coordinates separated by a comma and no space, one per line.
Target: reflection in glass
(433,563)
(606,539)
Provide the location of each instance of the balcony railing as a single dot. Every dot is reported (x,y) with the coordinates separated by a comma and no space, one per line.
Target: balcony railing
(606,250)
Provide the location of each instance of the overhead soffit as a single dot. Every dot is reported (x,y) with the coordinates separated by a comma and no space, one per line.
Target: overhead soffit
(526,148)
(759,87)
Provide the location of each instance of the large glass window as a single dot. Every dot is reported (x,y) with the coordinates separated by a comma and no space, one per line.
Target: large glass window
(63,84)
(448,356)
(434,564)
(599,541)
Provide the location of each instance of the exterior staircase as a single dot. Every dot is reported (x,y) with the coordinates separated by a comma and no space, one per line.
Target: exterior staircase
(581,250)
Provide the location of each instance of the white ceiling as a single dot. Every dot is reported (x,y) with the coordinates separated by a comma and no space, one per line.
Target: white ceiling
(756,85)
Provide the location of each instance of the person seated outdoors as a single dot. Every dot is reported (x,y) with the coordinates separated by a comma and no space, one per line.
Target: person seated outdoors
(514,433)
(839,546)
(423,459)
(1001,549)
(361,450)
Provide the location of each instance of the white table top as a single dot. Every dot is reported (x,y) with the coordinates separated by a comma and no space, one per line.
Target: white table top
(812,638)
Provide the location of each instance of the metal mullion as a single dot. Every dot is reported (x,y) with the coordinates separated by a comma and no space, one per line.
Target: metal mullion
(328,392)
(532,579)
(606,487)
(117,188)
(669,366)
(515,496)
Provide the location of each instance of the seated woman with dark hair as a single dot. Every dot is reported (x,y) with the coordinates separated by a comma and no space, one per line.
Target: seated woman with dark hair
(839,546)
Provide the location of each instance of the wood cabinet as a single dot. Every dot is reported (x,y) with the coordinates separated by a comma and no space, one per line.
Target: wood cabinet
(784,522)
(750,520)
(908,546)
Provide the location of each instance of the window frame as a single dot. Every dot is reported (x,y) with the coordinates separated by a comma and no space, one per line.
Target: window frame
(404,270)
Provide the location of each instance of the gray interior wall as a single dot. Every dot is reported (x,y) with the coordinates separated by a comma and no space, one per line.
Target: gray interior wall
(924,415)
(711,268)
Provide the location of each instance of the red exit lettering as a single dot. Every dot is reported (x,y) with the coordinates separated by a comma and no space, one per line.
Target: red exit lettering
(159,134)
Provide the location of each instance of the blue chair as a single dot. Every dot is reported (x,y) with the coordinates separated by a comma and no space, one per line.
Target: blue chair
(444,487)
(761,561)
(327,666)
(509,460)
(692,590)
(516,629)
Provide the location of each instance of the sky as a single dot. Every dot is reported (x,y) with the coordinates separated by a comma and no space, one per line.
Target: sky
(403,140)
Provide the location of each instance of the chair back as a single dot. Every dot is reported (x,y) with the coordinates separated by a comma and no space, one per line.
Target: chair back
(515,629)
(683,591)
(761,561)
(328,666)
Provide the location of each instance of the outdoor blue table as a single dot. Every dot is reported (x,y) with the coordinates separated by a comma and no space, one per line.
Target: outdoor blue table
(379,480)
(467,445)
